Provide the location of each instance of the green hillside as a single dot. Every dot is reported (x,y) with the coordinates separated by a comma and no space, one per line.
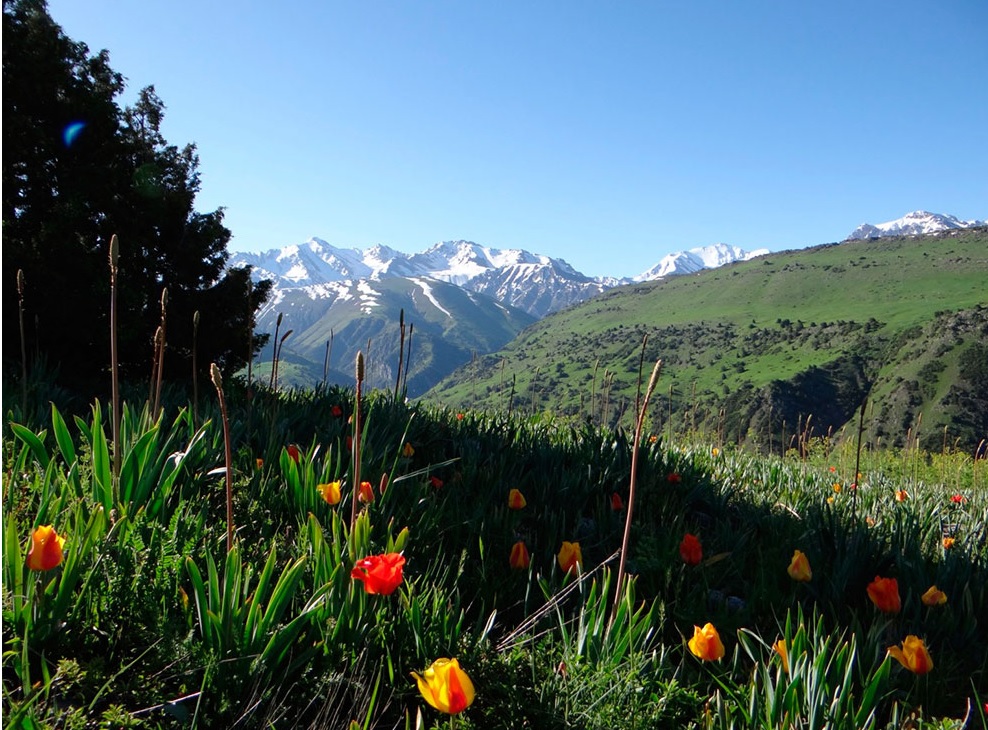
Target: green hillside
(756,350)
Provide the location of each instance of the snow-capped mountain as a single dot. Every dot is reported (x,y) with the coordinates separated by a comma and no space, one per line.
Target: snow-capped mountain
(917,223)
(462,298)
(704,257)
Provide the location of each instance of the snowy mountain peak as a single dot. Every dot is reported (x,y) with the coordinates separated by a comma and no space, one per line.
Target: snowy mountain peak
(917,223)
(695,259)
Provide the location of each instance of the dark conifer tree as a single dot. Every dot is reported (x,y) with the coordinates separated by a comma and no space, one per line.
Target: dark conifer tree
(78,168)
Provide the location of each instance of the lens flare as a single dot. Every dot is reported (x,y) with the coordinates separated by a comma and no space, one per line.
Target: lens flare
(72,132)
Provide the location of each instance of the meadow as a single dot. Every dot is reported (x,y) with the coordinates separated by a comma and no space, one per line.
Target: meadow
(219,569)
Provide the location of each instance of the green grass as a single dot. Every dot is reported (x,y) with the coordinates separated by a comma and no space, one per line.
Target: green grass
(149,622)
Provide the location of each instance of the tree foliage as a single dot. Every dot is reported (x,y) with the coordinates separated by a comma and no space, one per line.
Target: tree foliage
(78,168)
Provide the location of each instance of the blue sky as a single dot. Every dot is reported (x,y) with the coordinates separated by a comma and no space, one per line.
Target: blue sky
(605,133)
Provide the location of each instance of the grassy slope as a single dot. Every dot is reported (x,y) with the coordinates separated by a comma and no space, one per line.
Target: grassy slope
(737,329)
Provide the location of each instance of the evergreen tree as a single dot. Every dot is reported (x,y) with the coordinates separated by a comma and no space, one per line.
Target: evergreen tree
(78,168)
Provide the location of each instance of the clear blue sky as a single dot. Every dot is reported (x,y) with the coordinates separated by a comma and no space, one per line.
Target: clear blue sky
(605,133)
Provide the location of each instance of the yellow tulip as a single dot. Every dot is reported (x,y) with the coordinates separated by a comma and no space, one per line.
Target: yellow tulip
(913,655)
(706,643)
(799,567)
(445,686)
(330,492)
(783,652)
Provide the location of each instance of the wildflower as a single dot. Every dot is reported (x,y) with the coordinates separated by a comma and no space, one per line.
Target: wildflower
(901,495)
(833,469)
(516,500)
(380,574)
(783,652)
(366,493)
(293,453)
(830,500)
(799,567)
(259,463)
(884,593)
(934,597)
(570,557)
(690,549)
(519,559)
(617,504)
(957,498)
(653,439)
(445,686)
(336,411)
(948,542)
(715,452)
(46,549)
(706,643)
(408,450)
(674,477)
(837,487)
(870,521)
(459,416)
(913,655)
(436,482)
(330,492)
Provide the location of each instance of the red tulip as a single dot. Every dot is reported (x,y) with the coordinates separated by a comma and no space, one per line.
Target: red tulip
(380,574)
(293,453)
(690,549)
(617,504)
(884,593)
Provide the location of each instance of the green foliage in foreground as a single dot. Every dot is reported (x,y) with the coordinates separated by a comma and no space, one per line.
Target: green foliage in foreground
(150,622)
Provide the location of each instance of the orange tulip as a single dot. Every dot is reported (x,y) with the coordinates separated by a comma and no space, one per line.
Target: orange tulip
(366,493)
(380,574)
(330,492)
(617,504)
(884,593)
(783,652)
(799,567)
(690,549)
(46,549)
(913,655)
(934,597)
(570,557)
(520,558)
(948,542)
(445,686)
(516,500)
(901,495)
(706,643)
(259,463)
(408,450)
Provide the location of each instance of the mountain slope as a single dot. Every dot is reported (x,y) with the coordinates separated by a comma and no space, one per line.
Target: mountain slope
(755,349)
(448,325)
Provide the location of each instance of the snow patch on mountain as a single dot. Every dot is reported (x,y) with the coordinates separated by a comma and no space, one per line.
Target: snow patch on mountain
(917,223)
(427,290)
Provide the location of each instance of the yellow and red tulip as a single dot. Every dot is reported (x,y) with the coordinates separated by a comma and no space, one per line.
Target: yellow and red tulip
(330,492)
(799,567)
(445,686)
(570,557)
(45,552)
(913,655)
(516,500)
(520,559)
